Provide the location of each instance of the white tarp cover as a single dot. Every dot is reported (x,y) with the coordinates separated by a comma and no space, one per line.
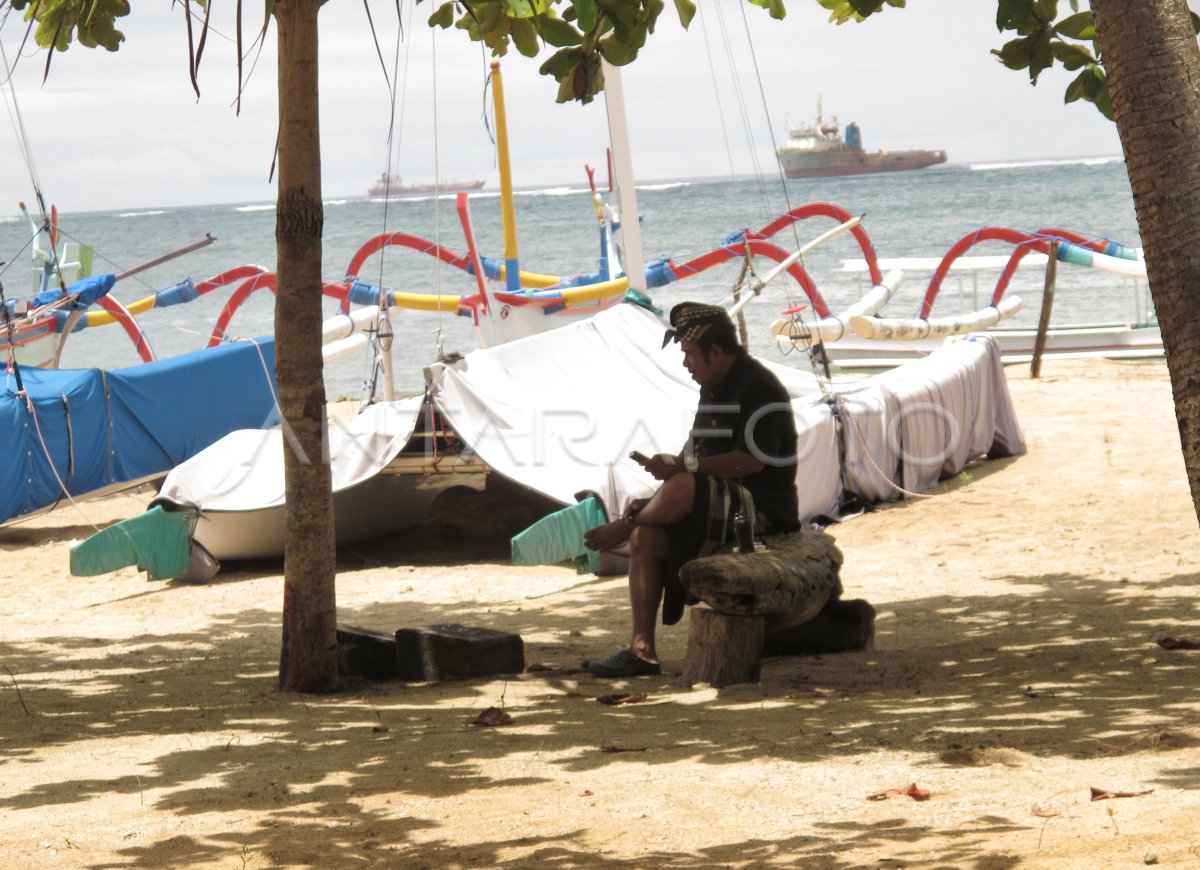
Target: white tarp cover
(559,413)
(244,470)
(953,406)
(920,422)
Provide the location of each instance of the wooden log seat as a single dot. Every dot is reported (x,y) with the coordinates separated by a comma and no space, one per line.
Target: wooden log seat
(843,625)
(787,583)
(782,600)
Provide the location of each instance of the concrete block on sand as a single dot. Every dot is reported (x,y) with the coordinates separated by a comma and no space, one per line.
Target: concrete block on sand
(367,654)
(455,652)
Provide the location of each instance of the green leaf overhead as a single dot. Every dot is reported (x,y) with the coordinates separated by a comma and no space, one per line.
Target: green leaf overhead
(866,7)
(588,14)
(557,32)
(686,10)
(1072,57)
(60,22)
(1014,14)
(1045,10)
(774,7)
(1091,84)
(524,35)
(1079,26)
(1016,54)
(618,30)
(523,8)
(443,16)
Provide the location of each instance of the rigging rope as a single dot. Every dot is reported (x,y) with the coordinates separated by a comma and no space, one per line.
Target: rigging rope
(747,126)
(437,198)
(395,139)
(712,69)
(18,122)
(15,118)
(767,114)
(778,166)
(50,459)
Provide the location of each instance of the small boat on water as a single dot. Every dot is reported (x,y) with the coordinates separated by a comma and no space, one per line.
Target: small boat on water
(393,185)
(861,338)
(818,150)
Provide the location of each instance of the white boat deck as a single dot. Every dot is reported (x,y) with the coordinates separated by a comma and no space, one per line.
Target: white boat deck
(971,264)
(930,264)
(966,272)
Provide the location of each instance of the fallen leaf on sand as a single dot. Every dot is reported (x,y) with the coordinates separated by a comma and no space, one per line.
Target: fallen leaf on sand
(491,716)
(1099,794)
(1031,692)
(1044,814)
(612,747)
(1178,643)
(619,698)
(917,794)
(817,693)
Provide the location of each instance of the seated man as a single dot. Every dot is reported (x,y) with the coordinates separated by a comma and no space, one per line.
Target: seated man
(741,455)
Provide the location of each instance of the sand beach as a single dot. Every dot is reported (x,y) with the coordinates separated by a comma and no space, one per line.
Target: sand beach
(1016,676)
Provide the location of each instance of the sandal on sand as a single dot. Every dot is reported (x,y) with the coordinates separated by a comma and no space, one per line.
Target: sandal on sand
(622,664)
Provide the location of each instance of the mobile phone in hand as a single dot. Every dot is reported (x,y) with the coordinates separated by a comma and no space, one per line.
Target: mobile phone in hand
(639,457)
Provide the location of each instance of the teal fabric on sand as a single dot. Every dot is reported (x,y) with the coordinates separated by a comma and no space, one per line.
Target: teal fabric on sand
(559,536)
(157,542)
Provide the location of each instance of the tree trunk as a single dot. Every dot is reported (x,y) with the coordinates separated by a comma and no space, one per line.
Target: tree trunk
(1150,56)
(309,660)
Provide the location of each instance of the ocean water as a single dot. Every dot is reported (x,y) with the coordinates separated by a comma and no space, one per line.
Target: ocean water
(908,214)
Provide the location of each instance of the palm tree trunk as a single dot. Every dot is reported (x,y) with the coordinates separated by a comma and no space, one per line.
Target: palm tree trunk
(309,660)
(1149,54)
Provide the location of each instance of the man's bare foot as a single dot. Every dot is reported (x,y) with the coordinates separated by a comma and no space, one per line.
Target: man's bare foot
(608,536)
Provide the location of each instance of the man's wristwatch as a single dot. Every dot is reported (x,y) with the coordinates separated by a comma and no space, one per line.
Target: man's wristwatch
(692,464)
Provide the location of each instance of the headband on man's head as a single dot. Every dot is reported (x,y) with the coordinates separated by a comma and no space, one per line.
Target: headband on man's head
(694,320)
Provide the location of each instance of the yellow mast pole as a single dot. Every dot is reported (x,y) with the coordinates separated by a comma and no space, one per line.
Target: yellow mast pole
(508,214)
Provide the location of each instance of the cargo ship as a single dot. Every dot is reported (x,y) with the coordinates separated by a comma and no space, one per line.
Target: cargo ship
(816,150)
(392,185)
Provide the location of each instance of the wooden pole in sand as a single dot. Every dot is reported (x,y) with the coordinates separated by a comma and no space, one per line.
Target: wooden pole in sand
(1039,344)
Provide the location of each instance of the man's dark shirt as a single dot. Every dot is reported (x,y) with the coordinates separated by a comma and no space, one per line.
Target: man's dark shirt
(750,410)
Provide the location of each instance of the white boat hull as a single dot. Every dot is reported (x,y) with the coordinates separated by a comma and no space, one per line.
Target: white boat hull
(1111,341)
(370,509)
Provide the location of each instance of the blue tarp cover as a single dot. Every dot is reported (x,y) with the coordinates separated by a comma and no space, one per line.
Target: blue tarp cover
(108,427)
(89,290)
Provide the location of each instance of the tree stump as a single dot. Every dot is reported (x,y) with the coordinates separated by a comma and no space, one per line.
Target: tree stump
(723,648)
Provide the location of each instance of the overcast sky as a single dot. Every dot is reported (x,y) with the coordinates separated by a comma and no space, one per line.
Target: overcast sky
(124,130)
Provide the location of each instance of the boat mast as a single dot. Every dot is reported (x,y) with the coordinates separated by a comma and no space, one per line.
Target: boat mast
(618,135)
(508,213)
